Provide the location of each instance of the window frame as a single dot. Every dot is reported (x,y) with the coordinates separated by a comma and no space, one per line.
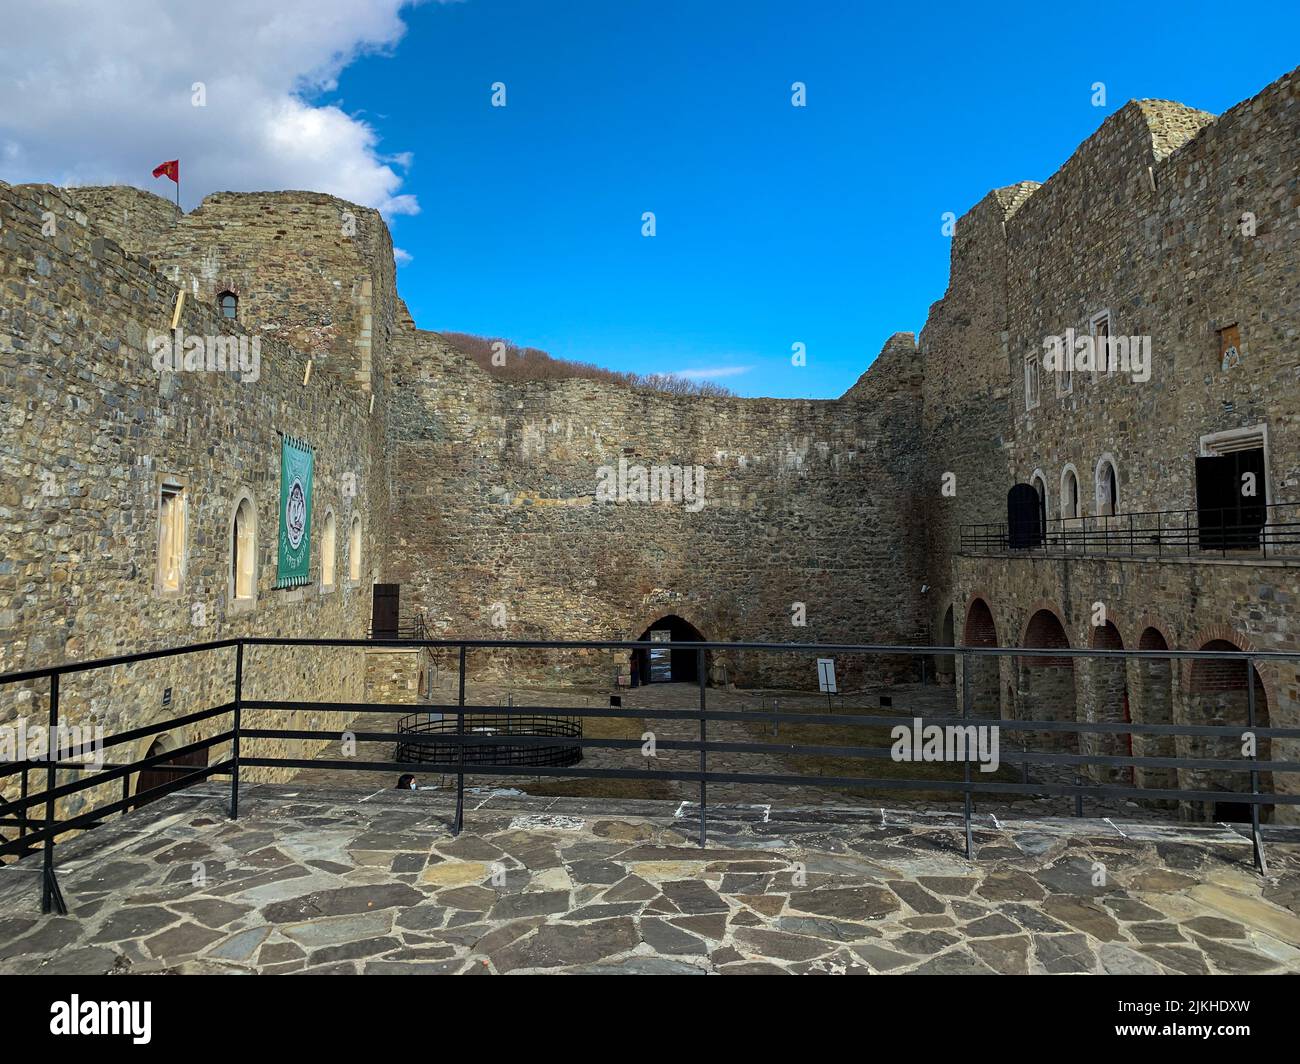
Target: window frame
(1032,360)
(329,539)
(1067,471)
(166,484)
(355,533)
(1096,319)
(1107,459)
(241,603)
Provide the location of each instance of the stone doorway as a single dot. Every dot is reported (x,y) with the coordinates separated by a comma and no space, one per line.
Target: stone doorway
(668,665)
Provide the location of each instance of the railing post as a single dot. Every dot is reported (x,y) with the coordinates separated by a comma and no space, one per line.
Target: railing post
(236,724)
(965,713)
(24,816)
(1256,840)
(51,896)
(460,751)
(704,765)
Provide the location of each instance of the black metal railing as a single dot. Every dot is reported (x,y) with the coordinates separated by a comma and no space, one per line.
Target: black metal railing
(1148,533)
(34,813)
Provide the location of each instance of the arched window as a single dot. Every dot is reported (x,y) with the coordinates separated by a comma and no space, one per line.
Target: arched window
(228,305)
(1107,487)
(327,553)
(354,551)
(243,552)
(1069,493)
(1040,485)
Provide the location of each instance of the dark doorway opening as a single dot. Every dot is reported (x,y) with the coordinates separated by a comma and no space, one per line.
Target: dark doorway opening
(1230,500)
(666,665)
(1026,517)
(383,615)
(166,771)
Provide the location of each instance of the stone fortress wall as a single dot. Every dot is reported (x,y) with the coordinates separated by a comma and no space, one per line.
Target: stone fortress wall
(478,495)
(502,534)
(1177,225)
(91,427)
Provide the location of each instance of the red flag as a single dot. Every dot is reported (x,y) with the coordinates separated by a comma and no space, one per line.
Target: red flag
(171,169)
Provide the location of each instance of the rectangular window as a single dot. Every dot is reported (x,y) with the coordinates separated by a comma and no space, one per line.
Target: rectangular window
(1031,381)
(1099,326)
(170,577)
(1065,368)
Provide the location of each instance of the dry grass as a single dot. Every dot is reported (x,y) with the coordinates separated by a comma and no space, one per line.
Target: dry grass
(875,737)
(531,364)
(574,787)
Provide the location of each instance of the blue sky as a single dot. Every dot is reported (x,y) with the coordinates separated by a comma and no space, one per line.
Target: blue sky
(775,224)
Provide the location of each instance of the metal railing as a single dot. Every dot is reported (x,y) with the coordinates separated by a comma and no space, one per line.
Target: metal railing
(34,813)
(1148,533)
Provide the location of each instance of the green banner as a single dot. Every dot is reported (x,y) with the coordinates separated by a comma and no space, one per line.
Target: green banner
(296,466)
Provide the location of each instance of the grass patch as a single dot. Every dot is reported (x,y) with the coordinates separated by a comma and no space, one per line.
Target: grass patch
(873,736)
(579,787)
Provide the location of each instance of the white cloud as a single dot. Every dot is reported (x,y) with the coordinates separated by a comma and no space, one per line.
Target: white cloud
(712,373)
(99,93)
(401,256)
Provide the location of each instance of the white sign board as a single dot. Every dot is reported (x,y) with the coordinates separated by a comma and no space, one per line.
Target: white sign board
(826,675)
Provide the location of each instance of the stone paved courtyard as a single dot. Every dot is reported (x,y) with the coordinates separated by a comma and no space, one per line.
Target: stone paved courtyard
(319,881)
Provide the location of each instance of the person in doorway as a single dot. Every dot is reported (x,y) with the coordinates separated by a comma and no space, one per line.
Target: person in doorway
(405,782)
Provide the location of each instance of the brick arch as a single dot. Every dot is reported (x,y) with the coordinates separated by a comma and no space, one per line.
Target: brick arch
(1153,703)
(1046,685)
(985,630)
(1148,623)
(1105,699)
(979,629)
(1106,636)
(1225,632)
(667,609)
(1036,607)
(1000,620)
(1228,634)
(1219,693)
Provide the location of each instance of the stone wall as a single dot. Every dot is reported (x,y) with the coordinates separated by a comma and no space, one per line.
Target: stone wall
(1178,604)
(1177,225)
(132,217)
(499,534)
(89,428)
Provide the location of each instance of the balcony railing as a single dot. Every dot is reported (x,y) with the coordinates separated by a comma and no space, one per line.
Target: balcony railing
(1275,533)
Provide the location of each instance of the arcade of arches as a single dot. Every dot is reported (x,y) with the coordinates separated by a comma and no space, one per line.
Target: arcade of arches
(1119,690)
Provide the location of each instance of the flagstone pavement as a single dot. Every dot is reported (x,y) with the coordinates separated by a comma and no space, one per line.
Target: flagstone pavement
(318,881)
